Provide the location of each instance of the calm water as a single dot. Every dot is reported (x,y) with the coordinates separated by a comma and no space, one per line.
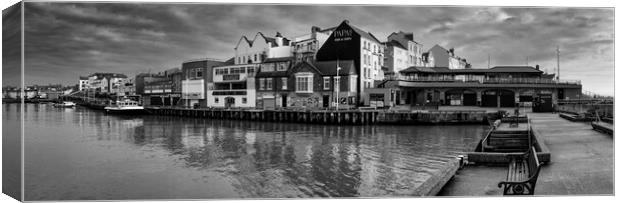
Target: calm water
(84,154)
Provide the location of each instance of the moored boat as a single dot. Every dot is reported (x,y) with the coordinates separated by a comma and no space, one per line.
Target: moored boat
(125,107)
(64,104)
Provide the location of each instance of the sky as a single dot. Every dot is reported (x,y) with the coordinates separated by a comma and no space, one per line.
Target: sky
(66,40)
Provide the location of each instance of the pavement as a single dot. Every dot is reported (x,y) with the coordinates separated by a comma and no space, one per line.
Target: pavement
(582,163)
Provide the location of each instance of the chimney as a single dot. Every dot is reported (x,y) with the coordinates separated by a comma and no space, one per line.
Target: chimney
(315,29)
(409,36)
(279,39)
(537,67)
(346,21)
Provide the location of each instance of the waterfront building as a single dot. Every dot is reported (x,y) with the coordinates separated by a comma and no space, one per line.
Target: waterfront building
(233,86)
(308,85)
(123,87)
(104,82)
(272,81)
(83,83)
(500,86)
(401,52)
(446,58)
(164,92)
(197,74)
(348,42)
(306,46)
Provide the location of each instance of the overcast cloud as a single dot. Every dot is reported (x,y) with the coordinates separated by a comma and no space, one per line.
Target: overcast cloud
(66,40)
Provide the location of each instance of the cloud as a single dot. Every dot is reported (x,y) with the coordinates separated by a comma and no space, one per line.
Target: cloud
(82,38)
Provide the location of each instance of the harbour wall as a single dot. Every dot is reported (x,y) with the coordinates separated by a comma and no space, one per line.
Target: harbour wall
(350,117)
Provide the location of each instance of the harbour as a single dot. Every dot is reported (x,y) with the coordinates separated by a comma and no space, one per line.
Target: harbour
(243,158)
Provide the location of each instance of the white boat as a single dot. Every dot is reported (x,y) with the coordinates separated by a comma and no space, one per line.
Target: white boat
(65,104)
(125,106)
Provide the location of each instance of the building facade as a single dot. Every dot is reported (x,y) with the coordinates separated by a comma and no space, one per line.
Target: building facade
(443,57)
(233,86)
(197,74)
(83,83)
(500,86)
(348,42)
(306,46)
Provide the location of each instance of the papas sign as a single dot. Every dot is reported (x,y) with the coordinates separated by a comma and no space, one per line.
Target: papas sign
(343,35)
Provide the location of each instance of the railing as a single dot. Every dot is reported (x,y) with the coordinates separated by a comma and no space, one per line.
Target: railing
(486,138)
(483,80)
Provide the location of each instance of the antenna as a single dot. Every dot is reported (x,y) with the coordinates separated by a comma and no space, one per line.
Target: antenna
(489,61)
(558,53)
(527,60)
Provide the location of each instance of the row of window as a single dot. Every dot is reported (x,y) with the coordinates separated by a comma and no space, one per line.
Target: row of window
(267,83)
(194,73)
(235,70)
(249,59)
(231,100)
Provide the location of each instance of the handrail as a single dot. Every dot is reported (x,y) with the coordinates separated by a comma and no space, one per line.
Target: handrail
(486,138)
(529,131)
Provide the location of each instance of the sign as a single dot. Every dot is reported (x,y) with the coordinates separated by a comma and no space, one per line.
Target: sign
(343,35)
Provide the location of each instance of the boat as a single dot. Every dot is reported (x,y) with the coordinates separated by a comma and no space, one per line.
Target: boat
(64,104)
(126,106)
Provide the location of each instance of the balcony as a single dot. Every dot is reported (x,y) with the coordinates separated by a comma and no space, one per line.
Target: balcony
(484,80)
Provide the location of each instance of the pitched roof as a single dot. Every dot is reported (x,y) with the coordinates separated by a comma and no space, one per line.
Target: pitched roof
(83,77)
(395,44)
(362,32)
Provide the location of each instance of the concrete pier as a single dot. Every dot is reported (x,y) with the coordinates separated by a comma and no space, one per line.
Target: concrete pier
(582,163)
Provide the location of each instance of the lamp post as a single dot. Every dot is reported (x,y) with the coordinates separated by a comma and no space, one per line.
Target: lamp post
(337,84)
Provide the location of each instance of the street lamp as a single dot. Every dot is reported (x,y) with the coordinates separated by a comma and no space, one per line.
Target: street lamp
(337,84)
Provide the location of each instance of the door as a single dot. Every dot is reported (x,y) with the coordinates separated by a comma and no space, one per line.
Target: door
(469,99)
(284,100)
(229,102)
(325,101)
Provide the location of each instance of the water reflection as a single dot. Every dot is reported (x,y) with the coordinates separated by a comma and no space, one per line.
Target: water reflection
(257,159)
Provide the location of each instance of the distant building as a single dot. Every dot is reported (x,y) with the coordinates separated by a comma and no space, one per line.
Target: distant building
(272,83)
(401,52)
(105,82)
(260,47)
(83,83)
(348,42)
(164,92)
(306,46)
(446,58)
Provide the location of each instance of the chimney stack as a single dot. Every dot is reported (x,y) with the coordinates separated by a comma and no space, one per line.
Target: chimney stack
(279,39)
(537,67)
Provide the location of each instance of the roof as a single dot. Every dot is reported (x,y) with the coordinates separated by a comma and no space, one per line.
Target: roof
(362,32)
(496,69)
(279,59)
(329,67)
(108,75)
(395,44)
(83,77)
(261,74)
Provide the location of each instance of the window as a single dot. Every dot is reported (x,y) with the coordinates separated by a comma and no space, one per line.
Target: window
(250,70)
(261,84)
(269,83)
(284,83)
(303,83)
(199,72)
(337,83)
(243,60)
(282,66)
(326,83)
(244,100)
(255,57)
(217,100)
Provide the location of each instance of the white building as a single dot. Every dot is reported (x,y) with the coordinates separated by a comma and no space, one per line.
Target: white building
(82,83)
(261,47)
(306,46)
(105,82)
(447,58)
(233,86)
(402,52)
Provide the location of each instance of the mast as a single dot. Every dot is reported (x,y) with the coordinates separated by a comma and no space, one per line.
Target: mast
(558,57)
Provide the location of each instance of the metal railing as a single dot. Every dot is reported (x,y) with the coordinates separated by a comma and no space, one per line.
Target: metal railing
(483,80)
